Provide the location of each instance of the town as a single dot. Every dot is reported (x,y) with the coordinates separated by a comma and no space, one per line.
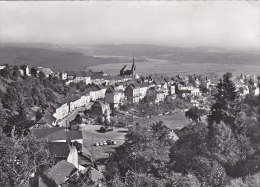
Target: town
(84,128)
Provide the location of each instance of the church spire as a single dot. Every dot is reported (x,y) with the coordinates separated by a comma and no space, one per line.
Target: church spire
(133,67)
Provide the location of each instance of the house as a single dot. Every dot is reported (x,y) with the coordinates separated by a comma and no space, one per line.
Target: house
(25,70)
(2,66)
(58,134)
(78,76)
(254,90)
(161,85)
(136,92)
(47,71)
(97,78)
(62,150)
(114,97)
(63,75)
(100,108)
(103,90)
(62,110)
(195,92)
(156,95)
(83,76)
(73,102)
(171,89)
(95,93)
(58,175)
(47,121)
(243,90)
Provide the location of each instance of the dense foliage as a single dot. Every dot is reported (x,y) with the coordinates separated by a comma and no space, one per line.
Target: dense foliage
(21,157)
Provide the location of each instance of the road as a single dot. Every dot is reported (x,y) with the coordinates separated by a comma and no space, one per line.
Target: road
(65,121)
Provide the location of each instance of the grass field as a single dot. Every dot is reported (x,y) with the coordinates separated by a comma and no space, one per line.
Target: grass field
(172,121)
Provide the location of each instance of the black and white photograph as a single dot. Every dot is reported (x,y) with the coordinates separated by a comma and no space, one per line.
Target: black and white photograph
(129,93)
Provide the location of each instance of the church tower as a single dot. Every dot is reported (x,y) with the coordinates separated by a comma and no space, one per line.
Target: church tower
(133,68)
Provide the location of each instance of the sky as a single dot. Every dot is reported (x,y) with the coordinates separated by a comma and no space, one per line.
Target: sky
(226,24)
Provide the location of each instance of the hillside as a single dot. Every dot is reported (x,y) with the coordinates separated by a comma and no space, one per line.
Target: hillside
(47,56)
(83,56)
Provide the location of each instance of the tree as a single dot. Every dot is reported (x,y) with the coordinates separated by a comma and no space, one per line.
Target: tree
(41,75)
(78,119)
(34,71)
(50,96)
(227,104)
(17,125)
(21,157)
(208,171)
(195,113)
(146,150)
(226,147)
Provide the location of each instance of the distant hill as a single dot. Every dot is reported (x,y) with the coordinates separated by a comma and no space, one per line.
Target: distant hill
(47,56)
(84,56)
(182,55)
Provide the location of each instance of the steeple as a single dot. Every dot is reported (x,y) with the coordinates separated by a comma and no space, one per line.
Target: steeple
(133,67)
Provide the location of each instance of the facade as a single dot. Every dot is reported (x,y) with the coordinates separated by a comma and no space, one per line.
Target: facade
(100,108)
(136,92)
(62,111)
(76,77)
(114,98)
(47,121)
(171,89)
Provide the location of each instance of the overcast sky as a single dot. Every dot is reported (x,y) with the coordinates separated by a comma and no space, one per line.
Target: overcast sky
(227,24)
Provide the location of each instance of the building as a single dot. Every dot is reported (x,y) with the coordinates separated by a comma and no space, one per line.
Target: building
(136,92)
(131,72)
(76,77)
(58,134)
(2,66)
(100,109)
(25,70)
(47,71)
(62,110)
(97,78)
(58,175)
(171,89)
(156,96)
(115,98)
(47,121)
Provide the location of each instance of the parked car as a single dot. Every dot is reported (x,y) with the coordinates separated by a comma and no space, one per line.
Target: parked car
(100,143)
(109,142)
(96,144)
(104,143)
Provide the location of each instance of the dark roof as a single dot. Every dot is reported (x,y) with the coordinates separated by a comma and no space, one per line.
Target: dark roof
(136,85)
(82,74)
(61,172)
(59,149)
(40,133)
(96,75)
(57,133)
(47,118)
(69,99)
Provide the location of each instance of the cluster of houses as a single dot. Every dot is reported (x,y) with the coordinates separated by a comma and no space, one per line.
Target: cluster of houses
(247,84)
(105,94)
(66,147)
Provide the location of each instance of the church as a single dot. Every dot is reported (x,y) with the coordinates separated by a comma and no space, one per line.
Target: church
(131,72)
